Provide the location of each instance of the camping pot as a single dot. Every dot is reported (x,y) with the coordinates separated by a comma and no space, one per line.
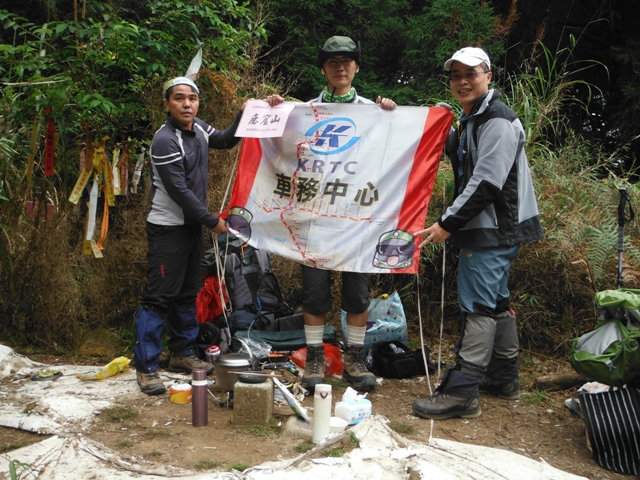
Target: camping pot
(231,362)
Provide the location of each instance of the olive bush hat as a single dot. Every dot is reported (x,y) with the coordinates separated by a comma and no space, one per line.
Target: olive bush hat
(337,45)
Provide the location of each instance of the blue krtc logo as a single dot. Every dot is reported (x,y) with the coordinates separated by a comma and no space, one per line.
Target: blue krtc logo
(332,136)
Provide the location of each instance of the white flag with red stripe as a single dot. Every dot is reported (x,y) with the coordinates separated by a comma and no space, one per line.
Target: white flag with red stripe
(343,188)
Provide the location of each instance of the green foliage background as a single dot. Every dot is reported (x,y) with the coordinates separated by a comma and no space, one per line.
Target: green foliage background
(106,67)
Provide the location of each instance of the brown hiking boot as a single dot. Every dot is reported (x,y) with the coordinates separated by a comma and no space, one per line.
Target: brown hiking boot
(188,363)
(355,370)
(314,368)
(150,383)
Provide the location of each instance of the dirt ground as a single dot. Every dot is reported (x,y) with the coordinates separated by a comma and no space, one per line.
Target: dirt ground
(538,426)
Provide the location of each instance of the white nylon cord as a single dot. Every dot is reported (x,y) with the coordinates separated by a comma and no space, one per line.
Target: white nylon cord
(424,356)
(444,263)
(220,267)
(233,171)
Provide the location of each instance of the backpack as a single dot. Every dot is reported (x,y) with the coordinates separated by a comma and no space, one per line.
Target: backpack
(208,334)
(611,352)
(255,298)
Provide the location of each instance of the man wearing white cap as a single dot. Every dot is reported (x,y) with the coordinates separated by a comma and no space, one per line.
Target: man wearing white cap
(494,211)
(179,186)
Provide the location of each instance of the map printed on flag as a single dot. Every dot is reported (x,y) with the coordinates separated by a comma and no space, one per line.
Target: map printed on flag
(343,188)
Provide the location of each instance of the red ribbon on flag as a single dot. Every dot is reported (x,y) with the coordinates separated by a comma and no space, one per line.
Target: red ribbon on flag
(49,145)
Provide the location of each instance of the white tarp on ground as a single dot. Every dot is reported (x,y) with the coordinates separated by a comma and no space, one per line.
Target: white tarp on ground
(68,454)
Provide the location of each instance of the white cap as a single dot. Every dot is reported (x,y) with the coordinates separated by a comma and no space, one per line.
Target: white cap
(323,390)
(470,56)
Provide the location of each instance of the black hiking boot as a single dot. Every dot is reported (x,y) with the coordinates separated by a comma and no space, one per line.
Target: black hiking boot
(314,368)
(507,391)
(441,406)
(355,370)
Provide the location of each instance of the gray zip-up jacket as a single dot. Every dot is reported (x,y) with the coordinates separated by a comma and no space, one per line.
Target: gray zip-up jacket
(179,172)
(496,205)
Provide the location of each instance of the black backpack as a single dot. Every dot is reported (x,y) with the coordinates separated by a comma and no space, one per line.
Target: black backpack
(255,297)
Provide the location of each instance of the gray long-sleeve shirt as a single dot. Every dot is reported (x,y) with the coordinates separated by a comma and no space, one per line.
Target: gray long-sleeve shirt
(179,172)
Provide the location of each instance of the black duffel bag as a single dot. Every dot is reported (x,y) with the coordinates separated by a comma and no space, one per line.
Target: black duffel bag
(396,360)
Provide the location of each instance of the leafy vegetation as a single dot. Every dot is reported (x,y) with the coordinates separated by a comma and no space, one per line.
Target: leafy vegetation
(335,382)
(91,71)
(263,431)
(402,428)
(304,447)
(535,398)
(158,432)
(553,281)
(119,414)
(99,69)
(403,43)
(342,450)
(205,465)
(13,446)
(18,470)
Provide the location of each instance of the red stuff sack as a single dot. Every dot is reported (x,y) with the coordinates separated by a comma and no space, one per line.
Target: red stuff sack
(332,359)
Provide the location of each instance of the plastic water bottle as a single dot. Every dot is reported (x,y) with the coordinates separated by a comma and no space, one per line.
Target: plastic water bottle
(395,349)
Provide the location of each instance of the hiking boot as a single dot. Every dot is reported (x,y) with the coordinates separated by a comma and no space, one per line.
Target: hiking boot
(314,368)
(441,406)
(150,383)
(355,370)
(188,363)
(506,391)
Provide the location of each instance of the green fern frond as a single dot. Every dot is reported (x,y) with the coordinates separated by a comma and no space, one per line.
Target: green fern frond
(631,254)
(600,248)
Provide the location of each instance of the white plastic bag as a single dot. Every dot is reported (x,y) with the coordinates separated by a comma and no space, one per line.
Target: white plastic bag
(386,322)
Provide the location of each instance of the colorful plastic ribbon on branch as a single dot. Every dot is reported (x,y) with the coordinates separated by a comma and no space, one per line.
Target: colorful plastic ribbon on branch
(110,177)
(137,172)
(89,243)
(82,181)
(120,170)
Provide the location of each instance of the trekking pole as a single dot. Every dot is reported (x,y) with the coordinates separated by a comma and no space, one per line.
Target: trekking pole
(622,219)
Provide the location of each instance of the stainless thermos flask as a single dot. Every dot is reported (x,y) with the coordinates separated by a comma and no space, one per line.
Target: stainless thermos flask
(199,406)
